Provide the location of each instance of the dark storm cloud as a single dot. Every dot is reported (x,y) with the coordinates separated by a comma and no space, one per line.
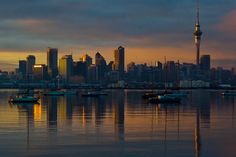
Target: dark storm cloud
(26,24)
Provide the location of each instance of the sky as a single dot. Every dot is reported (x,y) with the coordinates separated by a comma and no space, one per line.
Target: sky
(148,29)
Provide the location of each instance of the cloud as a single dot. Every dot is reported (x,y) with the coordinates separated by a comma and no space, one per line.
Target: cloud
(228,23)
(105,24)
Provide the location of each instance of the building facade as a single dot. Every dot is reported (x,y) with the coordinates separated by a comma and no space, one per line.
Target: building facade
(52,62)
(29,67)
(119,61)
(65,67)
(40,72)
(22,69)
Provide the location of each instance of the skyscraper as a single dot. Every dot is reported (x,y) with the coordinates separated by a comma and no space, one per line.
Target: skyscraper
(80,69)
(119,63)
(99,59)
(22,68)
(92,74)
(40,72)
(86,58)
(197,36)
(205,62)
(101,64)
(65,67)
(29,66)
(52,57)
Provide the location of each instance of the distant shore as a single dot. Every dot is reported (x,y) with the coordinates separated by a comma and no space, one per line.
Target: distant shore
(126,88)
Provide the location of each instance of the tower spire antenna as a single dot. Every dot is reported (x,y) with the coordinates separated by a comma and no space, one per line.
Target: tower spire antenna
(197,35)
(197,17)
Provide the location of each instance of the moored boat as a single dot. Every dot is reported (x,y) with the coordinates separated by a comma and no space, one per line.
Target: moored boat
(94,94)
(164,99)
(154,94)
(23,99)
(228,93)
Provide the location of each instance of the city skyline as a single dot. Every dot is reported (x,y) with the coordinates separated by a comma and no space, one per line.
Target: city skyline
(159,29)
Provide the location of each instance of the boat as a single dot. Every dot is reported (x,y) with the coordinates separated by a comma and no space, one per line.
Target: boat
(154,94)
(94,94)
(54,93)
(164,99)
(23,99)
(228,93)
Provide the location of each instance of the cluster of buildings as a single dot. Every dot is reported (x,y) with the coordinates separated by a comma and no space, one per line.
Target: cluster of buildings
(87,72)
(69,71)
(175,75)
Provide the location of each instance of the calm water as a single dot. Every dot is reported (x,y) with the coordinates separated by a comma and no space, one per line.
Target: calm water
(121,124)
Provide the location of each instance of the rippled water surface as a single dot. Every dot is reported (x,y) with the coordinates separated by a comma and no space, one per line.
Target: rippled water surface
(120,124)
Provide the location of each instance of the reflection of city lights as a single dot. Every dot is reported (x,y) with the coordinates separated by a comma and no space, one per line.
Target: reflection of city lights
(156,116)
(83,117)
(196,142)
(62,111)
(37,112)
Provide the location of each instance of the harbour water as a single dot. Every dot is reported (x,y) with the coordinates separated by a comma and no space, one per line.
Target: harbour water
(120,124)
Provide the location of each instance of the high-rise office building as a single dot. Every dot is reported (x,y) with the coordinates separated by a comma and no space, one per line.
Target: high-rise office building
(110,66)
(92,74)
(65,67)
(197,37)
(80,69)
(86,58)
(40,72)
(52,59)
(205,63)
(99,59)
(119,62)
(22,68)
(170,71)
(29,66)
(101,64)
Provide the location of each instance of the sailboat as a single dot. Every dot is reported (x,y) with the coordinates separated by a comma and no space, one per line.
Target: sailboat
(167,97)
(56,91)
(228,93)
(153,94)
(24,97)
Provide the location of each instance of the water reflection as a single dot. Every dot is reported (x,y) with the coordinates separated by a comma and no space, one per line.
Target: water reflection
(121,122)
(52,113)
(119,114)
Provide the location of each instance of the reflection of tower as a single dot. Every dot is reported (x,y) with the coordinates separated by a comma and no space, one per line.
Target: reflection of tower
(64,111)
(52,112)
(69,109)
(100,109)
(119,114)
(197,136)
(197,36)
(27,111)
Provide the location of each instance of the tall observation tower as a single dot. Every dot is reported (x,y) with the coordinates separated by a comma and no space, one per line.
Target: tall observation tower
(197,36)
